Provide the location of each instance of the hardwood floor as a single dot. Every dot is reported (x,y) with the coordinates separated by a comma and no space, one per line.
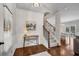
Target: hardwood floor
(26,51)
(54,51)
(63,50)
(60,51)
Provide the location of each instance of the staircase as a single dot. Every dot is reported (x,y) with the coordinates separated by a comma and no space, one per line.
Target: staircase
(49,34)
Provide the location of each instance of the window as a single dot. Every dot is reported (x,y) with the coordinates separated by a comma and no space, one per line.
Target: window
(67,29)
(72,29)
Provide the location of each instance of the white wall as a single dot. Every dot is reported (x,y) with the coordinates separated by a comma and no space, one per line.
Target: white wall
(21,17)
(63,28)
(52,20)
(58,26)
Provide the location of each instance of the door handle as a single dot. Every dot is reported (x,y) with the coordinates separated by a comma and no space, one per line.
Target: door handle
(1,43)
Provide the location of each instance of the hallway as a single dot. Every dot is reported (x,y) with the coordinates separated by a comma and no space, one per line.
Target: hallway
(39,29)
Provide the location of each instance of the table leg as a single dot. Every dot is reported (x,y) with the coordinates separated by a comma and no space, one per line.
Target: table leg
(24,43)
(37,41)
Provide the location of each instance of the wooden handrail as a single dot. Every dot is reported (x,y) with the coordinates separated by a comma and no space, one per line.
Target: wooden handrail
(48,36)
(50,24)
(48,31)
(45,28)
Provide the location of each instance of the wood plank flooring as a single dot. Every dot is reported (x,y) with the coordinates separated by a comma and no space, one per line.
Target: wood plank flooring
(54,51)
(30,50)
(60,51)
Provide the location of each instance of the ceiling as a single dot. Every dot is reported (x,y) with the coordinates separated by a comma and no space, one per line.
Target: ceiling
(69,11)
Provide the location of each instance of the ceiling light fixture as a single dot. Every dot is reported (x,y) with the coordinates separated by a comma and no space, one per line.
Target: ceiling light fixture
(36,5)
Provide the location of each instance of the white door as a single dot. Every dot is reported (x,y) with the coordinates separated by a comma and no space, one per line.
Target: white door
(1,29)
(7,29)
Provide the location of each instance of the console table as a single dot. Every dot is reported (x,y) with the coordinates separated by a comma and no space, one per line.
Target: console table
(30,37)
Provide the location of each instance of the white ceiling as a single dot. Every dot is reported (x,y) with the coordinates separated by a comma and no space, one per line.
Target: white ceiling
(69,11)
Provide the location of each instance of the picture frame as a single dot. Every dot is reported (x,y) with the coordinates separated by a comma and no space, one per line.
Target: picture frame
(30,25)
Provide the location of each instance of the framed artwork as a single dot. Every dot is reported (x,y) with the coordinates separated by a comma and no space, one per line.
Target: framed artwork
(30,25)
